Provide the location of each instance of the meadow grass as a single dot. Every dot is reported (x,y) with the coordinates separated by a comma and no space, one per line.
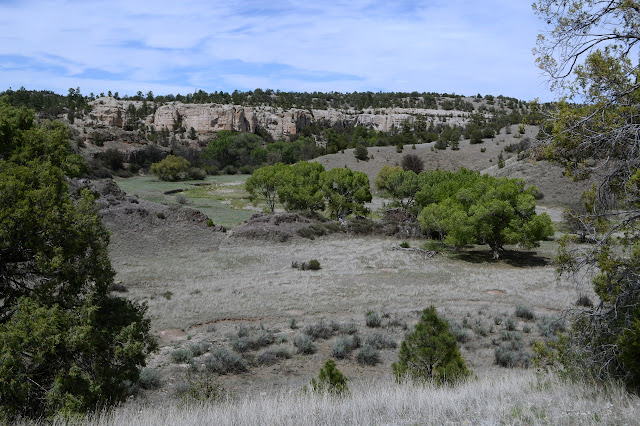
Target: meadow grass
(523,397)
(222,198)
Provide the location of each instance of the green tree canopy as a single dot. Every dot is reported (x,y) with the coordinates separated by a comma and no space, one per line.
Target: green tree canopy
(266,182)
(430,352)
(469,208)
(171,168)
(383,175)
(300,187)
(345,191)
(66,344)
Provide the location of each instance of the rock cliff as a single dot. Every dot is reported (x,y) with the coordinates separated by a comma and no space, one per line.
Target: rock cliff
(208,119)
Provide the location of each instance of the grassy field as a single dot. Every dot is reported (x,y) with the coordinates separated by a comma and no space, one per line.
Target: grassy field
(222,198)
(208,291)
(522,398)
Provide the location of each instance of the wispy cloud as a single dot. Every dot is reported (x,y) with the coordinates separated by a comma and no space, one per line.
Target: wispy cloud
(460,46)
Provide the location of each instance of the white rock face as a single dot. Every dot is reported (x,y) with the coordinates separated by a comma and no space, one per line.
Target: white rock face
(208,119)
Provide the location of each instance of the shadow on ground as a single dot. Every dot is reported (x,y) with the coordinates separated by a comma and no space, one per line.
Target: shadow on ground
(521,259)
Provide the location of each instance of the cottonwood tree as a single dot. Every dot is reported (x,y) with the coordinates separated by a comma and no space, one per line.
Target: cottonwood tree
(300,187)
(345,191)
(67,345)
(468,208)
(590,54)
(266,182)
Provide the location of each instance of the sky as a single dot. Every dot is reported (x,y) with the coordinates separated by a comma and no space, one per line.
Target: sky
(125,46)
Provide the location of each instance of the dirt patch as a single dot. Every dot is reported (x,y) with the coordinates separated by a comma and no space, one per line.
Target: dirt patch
(171,335)
(496,292)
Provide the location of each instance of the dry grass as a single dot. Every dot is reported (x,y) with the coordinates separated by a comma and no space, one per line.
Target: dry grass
(514,398)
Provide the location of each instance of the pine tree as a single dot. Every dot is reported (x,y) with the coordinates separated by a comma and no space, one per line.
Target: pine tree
(330,380)
(430,352)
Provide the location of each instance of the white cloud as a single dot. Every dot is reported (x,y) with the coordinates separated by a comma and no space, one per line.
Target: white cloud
(391,46)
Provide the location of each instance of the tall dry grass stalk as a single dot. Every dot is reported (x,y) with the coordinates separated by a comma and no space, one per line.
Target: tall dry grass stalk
(522,397)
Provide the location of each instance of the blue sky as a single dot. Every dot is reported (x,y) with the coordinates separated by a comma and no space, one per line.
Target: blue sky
(460,46)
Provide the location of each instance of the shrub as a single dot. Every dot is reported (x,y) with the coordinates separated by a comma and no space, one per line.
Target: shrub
(372,319)
(304,344)
(584,301)
(199,348)
(330,380)
(271,356)
(368,355)
(510,336)
(405,244)
(430,352)
(348,328)
(512,354)
(550,326)
(380,340)
(340,349)
(196,173)
(118,287)
(161,215)
(361,152)
(319,330)
(250,340)
(172,168)
(223,361)
(314,265)
(150,378)
(181,198)
(510,325)
(293,323)
(196,390)
(412,162)
(524,312)
(181,356)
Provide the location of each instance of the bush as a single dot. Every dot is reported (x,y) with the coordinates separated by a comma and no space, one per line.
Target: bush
(372,319)
(330,380)
(196,173)
(181,356)
(319,330)
(199,348)
(361,152)
(524,312)
(250,340)
(380,340)
(584,301)
(510,325)
(343,346)
(368,355)
(196,390)
(348,328)
(510,336)
(181,198)
(313,265)
(550,326)
(430,352)
(223,361)
(412,162)
(171,168)
(150,378)
(271,356)
(512,354)
(304,344)
(404,244)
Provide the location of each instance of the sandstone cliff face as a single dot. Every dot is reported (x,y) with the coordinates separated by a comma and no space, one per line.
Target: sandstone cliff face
(208,119)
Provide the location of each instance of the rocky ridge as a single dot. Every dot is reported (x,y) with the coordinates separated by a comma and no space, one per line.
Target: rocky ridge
(208,119)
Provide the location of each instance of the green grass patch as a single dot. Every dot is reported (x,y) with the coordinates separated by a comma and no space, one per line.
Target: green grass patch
(222,198)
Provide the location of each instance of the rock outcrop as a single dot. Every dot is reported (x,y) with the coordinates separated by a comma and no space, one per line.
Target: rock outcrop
(208,119)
